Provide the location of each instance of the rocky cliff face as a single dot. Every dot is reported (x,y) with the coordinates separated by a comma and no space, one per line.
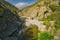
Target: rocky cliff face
(10,23)
(39,10)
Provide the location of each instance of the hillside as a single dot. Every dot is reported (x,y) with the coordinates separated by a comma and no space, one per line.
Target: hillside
(40,21)
(8,6)
(39,9)
(45,14)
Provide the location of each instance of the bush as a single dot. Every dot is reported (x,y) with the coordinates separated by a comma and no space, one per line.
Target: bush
(31,33)
(45,36)
(57,18)
(55,7)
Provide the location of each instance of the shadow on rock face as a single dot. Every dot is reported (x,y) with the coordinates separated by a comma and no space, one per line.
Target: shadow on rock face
(10,24)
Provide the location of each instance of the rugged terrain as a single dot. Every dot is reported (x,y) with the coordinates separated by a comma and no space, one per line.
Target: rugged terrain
(40,9)
(10,22)
(45,15)
(40,21)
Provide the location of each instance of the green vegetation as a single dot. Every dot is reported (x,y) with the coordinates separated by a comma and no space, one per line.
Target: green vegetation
(45,36)
(1,11)
(57,26)
(55,7)
(56,15)
(31,33)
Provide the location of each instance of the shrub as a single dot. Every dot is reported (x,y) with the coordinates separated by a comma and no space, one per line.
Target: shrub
(31,33)
(55,7)
(45,36)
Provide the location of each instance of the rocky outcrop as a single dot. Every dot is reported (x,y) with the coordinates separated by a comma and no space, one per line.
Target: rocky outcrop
(10,23)
(46,11)
(39,10)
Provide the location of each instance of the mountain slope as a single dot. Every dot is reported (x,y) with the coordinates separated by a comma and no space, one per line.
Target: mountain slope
(8,6)
(46,15)
(10,23)
(40,9)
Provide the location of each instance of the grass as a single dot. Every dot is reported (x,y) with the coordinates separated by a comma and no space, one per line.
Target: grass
(45,36)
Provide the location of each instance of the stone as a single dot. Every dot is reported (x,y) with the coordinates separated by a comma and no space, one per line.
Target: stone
(9,27)
(10,38)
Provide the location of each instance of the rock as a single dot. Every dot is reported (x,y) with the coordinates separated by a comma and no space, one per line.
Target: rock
(0,39)
(39,24)
(57,36)
(10,38)
(9,27)
(39,10)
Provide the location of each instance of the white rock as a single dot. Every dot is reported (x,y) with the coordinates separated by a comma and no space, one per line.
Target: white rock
(39,24)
